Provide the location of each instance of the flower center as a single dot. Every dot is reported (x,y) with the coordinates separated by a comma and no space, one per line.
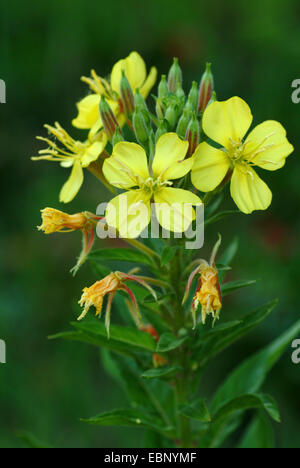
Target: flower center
(152,184)
(235,150)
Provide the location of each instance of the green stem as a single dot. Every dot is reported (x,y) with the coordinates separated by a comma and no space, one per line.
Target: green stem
(143,248)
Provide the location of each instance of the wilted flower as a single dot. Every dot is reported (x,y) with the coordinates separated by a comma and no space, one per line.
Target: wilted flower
(115,281)
(208,292)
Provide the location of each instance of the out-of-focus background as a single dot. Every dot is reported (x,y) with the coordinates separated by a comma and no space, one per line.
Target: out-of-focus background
(47,386)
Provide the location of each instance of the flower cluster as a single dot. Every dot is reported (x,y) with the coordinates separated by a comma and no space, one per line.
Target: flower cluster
(193,145)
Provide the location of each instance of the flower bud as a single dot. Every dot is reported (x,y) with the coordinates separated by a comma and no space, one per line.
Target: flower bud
(109,121)
(171,115)
(174,76)
(140,126)
(117,137)
(127,97)
(162,129)
(139,101)
(206,88)
(180,93)
(183,123)
(193,134)
(212,99)
(193,96)
(163,89)
(159,108)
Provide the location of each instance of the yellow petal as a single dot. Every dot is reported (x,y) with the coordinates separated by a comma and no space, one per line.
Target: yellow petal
(227,119)
(149,83)
(210,167)
(127,167)
(73,184)
(173,208)
(170,151)
(135,70)
(267,146)
(93,151)
(88,112)
(248,190)
(129,213)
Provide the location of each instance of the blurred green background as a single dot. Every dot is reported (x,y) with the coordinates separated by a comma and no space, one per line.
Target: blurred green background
(254,47)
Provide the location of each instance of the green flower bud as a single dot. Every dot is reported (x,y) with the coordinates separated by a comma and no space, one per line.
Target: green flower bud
(117,137)
(212,99)
(163,89)
(159,108)
(162,129)
(110,123)
(171,115)
(139,101)
(180,93)
(206,88)
(174,77)
(183,123)
(193,95)
(127,97)
(140,126)
(193,134)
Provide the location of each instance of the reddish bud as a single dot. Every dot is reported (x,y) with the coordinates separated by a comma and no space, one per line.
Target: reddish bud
(109,121)
(206,88)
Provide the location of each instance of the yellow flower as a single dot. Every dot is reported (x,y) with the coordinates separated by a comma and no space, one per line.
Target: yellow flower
(266,147)
(127,168)
(88,108)
(75,154)
(58,221)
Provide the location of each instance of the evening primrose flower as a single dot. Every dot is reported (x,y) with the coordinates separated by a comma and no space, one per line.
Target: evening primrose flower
(115,281)
(127,168)
(135,71)
(57,221)
(72,153)
(266,147)
(208,292)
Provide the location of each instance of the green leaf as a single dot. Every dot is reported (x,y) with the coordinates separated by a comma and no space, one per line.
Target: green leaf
(124,336)
(122,339)
(219,216)
(123,254)
(250,375)
(168,342)
(128,417)
(249,401)
(235,407)
(162,372)
(226,337)
(232,286)
(259,434)
(207,332)
(196,410)
(228,256)
(168,254)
